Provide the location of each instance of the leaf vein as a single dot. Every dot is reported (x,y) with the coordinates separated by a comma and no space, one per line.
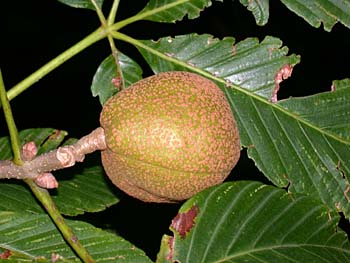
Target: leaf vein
(249,218)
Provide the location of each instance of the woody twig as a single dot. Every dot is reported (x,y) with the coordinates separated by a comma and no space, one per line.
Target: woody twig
(39,168)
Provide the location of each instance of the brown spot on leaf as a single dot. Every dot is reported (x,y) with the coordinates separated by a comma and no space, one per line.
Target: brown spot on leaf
(191,64)
(56,257)
(346,194)
(74,239)
(210,41)
(284,73)
(271,50)
(333,87)
(329,216)
(234,50)
(228,83)
(338,206)
(183,222)
(340,169)
(169,257)
(5,254)
(117,82)
(55,135)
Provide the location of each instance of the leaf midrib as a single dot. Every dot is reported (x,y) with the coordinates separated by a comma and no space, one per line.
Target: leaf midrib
(277,107)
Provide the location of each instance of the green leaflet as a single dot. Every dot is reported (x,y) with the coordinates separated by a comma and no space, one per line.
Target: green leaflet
(293,151)
(30,237)
(328,111)
(82,3)
(169,11)
(252,222)
(104,82)
(259,8)
(328,12)
(249,64)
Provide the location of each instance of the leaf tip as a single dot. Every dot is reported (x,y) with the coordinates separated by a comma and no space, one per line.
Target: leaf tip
(56,257)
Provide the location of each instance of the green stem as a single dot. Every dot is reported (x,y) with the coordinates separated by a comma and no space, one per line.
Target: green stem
(15,143)
(53,64)
(100,14)
(44,197)
(113,12)
(115,52)
(105,24)
(142,15)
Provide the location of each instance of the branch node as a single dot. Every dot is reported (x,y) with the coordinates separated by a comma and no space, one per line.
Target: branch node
(39,168)
(66,156)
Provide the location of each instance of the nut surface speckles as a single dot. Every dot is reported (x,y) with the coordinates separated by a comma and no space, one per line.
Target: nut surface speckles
(168,137)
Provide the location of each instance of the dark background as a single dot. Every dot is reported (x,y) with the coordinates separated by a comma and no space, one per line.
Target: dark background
(34,32)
